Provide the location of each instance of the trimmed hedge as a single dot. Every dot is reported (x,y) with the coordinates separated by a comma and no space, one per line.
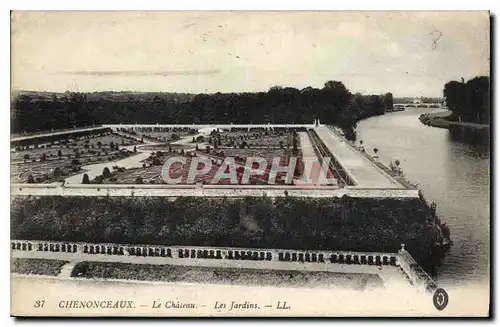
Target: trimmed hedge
(291,223)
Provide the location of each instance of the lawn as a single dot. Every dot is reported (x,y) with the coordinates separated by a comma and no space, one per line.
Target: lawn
(232,276)
(36,266)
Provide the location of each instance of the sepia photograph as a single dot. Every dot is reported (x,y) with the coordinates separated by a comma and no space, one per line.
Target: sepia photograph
(250,164)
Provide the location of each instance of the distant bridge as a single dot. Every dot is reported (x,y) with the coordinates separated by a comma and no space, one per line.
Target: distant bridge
(419,105)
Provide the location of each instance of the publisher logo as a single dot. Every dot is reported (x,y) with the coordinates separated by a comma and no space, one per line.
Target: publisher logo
(440,299)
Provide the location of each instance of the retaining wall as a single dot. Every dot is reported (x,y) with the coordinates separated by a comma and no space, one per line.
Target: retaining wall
(204,191)
(403,260)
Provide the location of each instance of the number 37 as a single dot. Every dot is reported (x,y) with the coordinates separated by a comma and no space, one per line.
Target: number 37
(39,304)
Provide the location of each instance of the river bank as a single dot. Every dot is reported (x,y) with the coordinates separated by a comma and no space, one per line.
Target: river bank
(460,131)
(436,119)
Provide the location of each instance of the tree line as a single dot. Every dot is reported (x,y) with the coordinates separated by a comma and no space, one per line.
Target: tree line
(469,101)
(332,104)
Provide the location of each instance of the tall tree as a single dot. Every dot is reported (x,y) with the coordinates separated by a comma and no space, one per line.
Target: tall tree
(469,101)
(454,92)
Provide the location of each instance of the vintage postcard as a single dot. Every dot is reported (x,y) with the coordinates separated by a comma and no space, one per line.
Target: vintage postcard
(250,163)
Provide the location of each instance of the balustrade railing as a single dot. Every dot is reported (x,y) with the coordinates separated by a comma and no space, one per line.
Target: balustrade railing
(416,275)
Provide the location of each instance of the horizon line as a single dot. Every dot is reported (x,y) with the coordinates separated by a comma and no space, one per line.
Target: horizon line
(209,93)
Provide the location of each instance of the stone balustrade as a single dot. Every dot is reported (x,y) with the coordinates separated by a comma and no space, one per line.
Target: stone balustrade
(412,270)
(403,260)
(197,252)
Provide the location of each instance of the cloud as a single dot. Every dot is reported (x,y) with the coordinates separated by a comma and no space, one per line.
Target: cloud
(136,73)
(393,50)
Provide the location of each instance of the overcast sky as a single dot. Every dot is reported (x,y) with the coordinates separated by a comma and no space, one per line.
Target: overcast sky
(193,52)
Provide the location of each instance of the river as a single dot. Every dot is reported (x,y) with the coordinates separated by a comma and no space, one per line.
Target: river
(454,174)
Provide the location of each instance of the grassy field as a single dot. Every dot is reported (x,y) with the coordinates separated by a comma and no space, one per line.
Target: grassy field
(209,275)
(36,266)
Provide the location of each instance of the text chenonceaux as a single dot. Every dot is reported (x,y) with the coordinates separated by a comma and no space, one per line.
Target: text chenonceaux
(87,304)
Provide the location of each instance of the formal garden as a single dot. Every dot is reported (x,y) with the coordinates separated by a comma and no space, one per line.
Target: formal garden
(58,159)
(253,138)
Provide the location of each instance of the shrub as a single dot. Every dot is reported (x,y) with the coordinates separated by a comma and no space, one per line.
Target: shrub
(106,173)
(85,179)
(57,172)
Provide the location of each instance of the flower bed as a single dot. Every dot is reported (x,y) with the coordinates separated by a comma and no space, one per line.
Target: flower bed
(275,278)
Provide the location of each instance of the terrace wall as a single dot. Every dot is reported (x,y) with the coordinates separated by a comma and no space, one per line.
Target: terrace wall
(313,260)
(231,191)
